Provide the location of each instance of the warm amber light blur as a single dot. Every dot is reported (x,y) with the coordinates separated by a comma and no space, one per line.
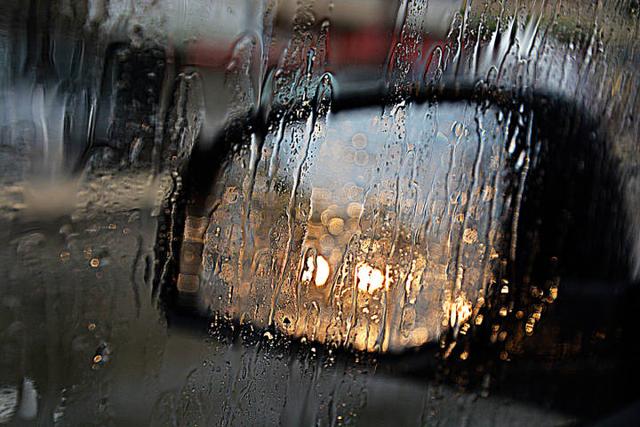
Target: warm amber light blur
(370,279)
(322,273)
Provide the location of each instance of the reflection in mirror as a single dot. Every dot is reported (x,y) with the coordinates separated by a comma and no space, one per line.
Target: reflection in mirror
(370,229)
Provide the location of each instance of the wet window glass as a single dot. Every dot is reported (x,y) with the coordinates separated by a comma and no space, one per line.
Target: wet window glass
(319,212)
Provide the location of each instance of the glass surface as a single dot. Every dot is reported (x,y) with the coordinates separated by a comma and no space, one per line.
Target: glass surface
(352,212)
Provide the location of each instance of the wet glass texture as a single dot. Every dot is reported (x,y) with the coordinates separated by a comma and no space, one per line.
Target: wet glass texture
(317,212)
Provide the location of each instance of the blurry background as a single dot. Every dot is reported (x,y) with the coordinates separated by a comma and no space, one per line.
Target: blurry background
(101,100)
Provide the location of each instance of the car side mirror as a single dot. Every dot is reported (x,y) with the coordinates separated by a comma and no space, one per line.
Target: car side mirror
(355,221)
